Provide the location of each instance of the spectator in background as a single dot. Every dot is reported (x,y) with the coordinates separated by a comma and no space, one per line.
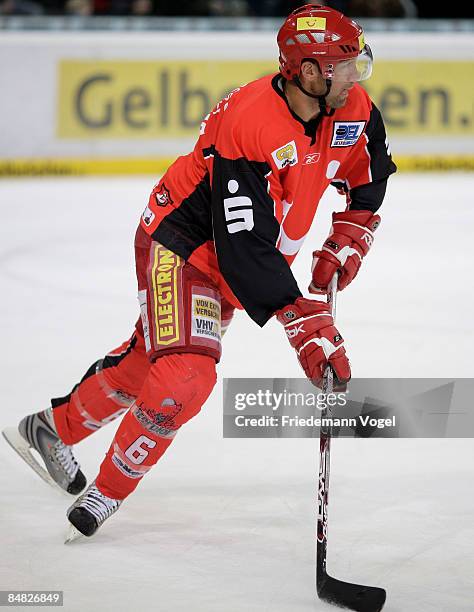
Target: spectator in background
(123,7)
(257,8)
(455,10)
(142,7)
(271,8)
(20,7)
(79,7)
(353,8)
(53,7)
(192,8)
(375,8)
(116,7)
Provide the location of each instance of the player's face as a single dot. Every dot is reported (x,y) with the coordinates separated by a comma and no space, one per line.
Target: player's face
(339,93)
(345,75)
(340,87)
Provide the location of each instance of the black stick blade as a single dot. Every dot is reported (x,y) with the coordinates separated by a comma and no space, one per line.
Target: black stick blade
(351,596)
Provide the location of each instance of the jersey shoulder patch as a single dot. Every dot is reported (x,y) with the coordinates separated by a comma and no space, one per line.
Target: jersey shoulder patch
(286,155)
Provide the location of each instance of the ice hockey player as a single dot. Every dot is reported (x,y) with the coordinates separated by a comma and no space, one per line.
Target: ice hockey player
(220,231)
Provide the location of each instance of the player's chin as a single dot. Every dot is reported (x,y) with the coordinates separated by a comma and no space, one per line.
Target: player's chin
(338,102)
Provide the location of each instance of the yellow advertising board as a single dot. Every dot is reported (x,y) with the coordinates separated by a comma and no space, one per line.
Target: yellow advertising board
(168,99)
(146,99)
(424,98)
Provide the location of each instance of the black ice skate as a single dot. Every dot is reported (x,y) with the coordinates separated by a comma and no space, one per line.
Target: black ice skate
(88,512)
(38,432)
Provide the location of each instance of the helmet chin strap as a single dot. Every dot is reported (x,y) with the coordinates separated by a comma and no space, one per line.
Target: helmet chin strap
(321,98)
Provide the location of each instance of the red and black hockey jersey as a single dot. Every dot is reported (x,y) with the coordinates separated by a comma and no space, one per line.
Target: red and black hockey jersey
(241,204)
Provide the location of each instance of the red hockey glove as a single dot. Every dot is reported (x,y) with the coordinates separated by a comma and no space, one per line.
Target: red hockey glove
(311,332)
(350,240)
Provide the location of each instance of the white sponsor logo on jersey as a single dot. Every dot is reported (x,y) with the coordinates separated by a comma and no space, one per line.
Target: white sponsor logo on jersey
(238,210)
(286,155)
(346,133)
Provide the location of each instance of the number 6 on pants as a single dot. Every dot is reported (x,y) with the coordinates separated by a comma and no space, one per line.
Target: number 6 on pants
(136,453)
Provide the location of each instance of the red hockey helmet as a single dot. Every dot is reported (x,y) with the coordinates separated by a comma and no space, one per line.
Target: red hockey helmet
(322,34)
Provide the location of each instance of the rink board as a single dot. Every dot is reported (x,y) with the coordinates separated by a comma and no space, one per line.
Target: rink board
(128,103)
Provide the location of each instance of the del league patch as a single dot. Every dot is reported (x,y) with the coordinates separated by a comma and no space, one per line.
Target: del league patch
(346,133)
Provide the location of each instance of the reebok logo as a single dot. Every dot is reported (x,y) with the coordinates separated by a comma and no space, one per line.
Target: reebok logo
(368,239)
(294,331)
(311,158)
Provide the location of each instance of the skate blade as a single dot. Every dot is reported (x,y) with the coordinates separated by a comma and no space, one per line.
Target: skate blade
(21,446)
(72,535)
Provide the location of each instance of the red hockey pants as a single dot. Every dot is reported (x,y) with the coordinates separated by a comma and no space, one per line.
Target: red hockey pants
(159,378)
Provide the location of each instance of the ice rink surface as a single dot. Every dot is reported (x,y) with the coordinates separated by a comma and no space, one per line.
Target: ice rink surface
(228,525)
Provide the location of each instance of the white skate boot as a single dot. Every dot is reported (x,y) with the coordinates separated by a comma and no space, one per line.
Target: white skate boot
(89,511)
(38,432)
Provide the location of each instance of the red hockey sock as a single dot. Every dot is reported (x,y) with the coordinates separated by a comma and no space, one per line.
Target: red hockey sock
(106,391)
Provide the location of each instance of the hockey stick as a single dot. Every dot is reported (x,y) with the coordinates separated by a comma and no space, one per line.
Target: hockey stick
(343,594)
